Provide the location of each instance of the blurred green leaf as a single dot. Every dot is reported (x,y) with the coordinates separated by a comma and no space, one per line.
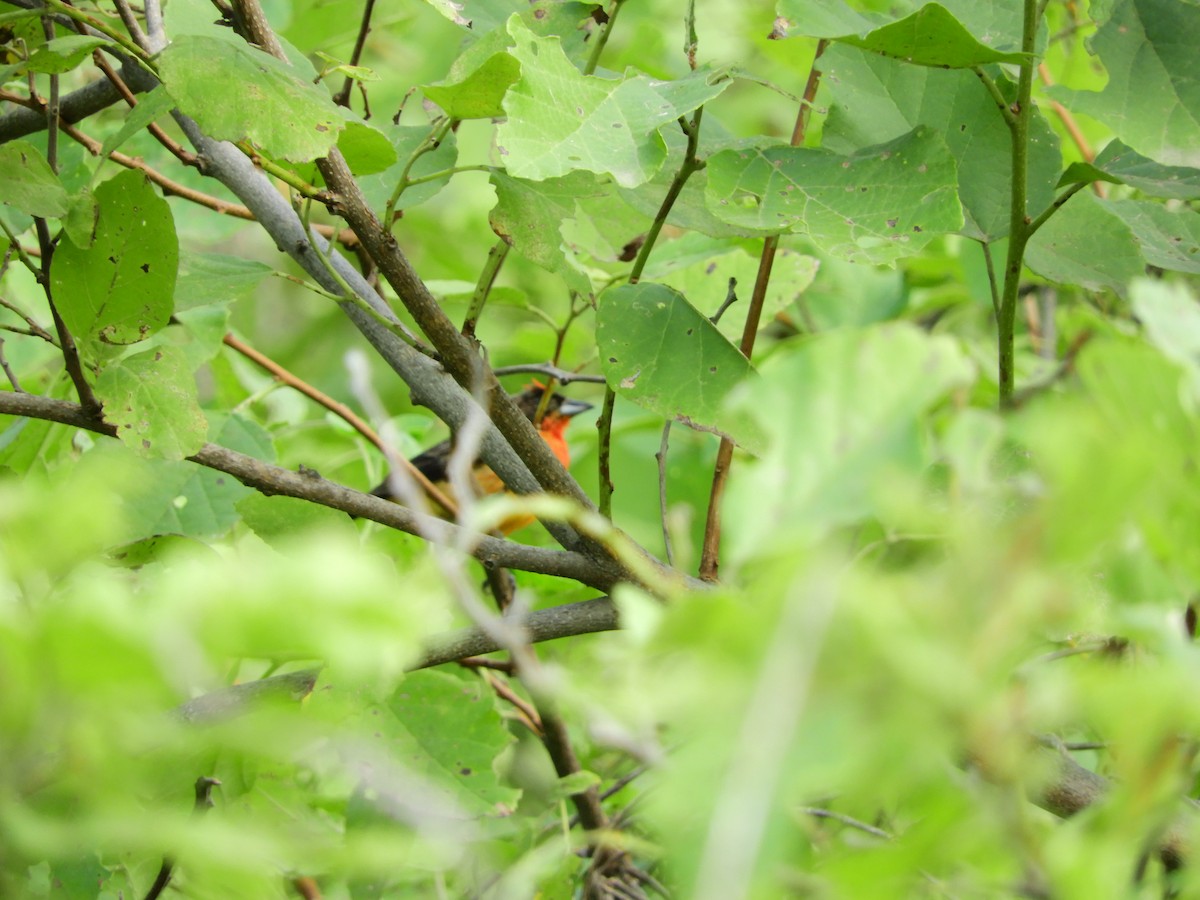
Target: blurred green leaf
(29,183)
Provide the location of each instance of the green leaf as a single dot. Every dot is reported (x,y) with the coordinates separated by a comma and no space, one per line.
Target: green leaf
(81,219)
(29,184)
(842,411)
(447,729)
(1152,99)
(150,108)
(1170,316)
(478,93)
(1122,165)
(451,10)
(1169,239)
(560,120)
(119,290)
(151,399)
(273,106)
(700,268)
(208,278)
(659,351)
(876,205)
(366,148)
(876,99)
(184,498)
(932,35)
(1083,243)
(63,54)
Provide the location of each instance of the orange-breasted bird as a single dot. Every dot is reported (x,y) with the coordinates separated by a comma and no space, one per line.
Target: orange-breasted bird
(432,463)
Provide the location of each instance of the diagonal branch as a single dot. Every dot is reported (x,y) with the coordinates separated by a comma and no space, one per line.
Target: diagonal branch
(272,480)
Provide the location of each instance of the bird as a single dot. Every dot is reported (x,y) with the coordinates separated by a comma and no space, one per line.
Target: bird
(432,463)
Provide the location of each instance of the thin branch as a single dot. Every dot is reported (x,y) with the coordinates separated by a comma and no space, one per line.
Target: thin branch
(283,376)
(12,378)
(307,485)
(993,285)
(562,376)
(483,286)
(710,553)
(1054,207)
(66,341)
(848,821)
(661,458)
(342,97)
(567,620)
(202,803)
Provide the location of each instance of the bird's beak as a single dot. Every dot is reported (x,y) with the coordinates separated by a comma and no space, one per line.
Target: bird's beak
(573,408)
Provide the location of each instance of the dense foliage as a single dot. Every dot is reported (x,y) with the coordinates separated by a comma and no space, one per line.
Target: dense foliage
(888,312)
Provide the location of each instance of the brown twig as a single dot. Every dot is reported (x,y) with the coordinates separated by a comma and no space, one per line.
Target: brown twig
(342,97)
(203,802)
(346,413)
(710,554)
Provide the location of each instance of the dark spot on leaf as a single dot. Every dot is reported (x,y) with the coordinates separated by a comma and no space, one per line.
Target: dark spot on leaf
(465,770)
(146,445)
(145,267)
(322,127)
(158,356)
(962,127)
(891,223)
(113,260)
(533,49)
(917,229)
(710,268)
(617,125)
(540,14)
(863,190)
(612,359)
(689,332)
(579,110)
(713,369)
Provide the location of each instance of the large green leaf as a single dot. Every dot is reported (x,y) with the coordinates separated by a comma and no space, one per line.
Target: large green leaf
(29,184)
(874,99)
(876,205)
(268,102)
(1152,99)
(1169,239)
(841,410)
(560,120)
(666,356)
(1084,243)
(477,94)
(951,34)
(119,289)
(1123,165)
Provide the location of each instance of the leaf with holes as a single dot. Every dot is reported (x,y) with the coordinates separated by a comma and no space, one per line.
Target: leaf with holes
(876,205)
(662,353)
